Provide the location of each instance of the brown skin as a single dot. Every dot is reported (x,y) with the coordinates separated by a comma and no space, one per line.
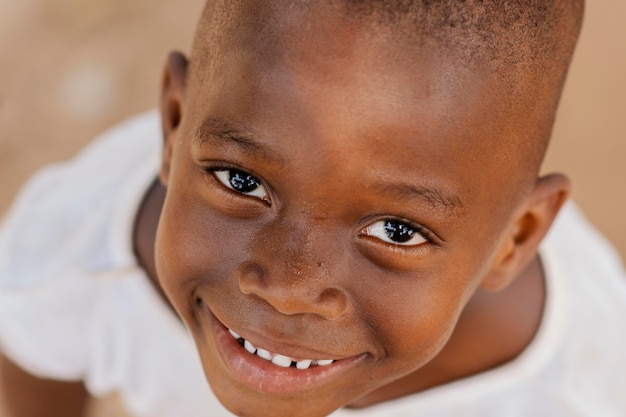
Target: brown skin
(347,129)
(493,329)
(25,395)
(332,139)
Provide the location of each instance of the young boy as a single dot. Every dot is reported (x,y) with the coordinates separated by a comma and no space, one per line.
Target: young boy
(347,214)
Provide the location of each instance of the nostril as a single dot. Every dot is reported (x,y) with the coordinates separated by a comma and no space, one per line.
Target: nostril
(290,294)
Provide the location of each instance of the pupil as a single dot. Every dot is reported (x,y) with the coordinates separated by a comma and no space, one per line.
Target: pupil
(399,232)
(242,181)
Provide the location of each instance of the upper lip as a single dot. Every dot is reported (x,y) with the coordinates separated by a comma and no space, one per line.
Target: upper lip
(297,351)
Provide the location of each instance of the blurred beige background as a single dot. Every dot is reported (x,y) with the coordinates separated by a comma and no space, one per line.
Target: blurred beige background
(71,68)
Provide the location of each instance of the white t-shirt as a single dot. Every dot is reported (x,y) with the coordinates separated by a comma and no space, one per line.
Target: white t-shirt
(75,305)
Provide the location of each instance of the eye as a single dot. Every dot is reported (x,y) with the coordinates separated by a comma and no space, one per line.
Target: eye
(395,232)
(242,182)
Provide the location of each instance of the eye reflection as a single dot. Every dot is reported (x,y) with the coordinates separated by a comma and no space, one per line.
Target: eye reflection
(395,232)
(242,182)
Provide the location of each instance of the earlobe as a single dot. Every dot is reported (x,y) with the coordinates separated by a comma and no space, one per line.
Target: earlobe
(530,224)
(171,107)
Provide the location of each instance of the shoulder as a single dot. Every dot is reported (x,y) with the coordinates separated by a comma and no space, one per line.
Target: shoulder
(572,233)
(69,227)
(69,209)
(586,305)
(583,264)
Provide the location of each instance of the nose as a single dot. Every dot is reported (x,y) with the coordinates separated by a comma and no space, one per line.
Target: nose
(293,283)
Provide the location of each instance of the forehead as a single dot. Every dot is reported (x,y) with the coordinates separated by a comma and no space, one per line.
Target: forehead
(331,82)
(321,58)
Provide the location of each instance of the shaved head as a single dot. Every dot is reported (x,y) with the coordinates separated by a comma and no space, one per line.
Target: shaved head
(525,47)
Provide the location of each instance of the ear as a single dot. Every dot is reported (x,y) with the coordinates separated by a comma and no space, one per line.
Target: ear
(171,106)
(530,224)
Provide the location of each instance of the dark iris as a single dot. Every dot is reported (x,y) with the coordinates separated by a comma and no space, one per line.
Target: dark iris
(242,181)
(399,232)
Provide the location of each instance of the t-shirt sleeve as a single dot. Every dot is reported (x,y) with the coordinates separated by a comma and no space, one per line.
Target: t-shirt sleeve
(44,303)
(64,237)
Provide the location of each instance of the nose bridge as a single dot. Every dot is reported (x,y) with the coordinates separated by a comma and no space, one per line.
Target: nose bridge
(291,269)
(300,252)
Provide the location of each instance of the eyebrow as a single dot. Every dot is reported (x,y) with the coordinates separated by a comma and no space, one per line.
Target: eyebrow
(218,132)
(439,199)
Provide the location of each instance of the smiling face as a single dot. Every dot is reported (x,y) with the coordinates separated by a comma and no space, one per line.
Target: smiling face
(334,199)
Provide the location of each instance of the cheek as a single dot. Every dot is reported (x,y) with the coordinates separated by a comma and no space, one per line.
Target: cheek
(196,246)
(413,316)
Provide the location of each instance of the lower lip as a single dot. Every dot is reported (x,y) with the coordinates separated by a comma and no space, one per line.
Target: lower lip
(266,377)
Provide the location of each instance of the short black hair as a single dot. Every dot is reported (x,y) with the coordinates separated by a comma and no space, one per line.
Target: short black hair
(510,32)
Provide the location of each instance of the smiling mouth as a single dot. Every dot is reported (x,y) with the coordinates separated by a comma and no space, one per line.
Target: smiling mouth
(278,359)
(274,372)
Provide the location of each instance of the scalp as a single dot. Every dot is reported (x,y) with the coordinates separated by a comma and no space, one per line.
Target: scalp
(506,33)
(525,46)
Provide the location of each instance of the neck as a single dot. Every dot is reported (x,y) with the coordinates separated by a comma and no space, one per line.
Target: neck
(144,233)
(493,329)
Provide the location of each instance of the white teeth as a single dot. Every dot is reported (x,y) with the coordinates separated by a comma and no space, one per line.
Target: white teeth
(278,359)
(282,361)
(264,354)
(249,347)
(304,364)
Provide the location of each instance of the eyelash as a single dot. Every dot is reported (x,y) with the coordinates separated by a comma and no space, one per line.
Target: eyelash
(423,232)
(244,179)
(416,229)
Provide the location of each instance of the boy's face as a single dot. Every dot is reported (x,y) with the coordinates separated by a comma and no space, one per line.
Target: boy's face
(331,195)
